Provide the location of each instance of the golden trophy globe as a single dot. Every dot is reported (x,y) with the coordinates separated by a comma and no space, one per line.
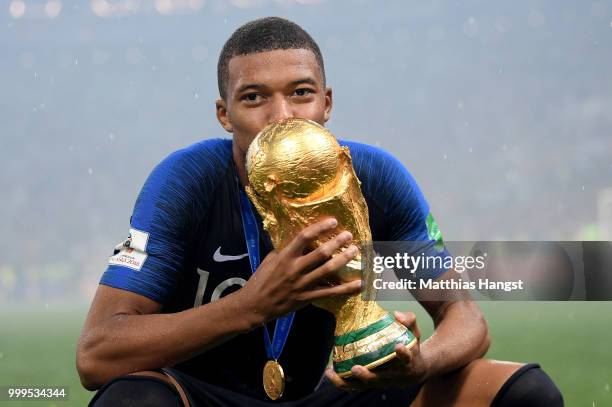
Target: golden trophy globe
(298,175)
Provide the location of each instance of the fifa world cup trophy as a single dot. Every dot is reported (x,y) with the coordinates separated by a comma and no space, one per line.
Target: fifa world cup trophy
(299,175)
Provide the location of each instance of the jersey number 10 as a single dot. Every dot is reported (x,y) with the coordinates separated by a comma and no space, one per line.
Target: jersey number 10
(218,291)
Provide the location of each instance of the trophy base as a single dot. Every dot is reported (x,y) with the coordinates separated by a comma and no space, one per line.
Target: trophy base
(370,346)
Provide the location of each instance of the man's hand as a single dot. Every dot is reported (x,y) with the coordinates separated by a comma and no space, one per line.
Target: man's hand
(291,278)
(407,368)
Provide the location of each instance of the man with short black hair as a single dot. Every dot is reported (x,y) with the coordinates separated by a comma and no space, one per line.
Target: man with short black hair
(180,319)
(261,35)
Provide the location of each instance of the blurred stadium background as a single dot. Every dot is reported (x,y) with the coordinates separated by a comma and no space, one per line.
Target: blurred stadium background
(501,111)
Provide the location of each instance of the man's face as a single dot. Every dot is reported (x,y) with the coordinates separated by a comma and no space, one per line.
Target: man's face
(268,86)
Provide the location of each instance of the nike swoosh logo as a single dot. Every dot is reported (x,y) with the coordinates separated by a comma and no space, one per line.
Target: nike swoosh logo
(218,257)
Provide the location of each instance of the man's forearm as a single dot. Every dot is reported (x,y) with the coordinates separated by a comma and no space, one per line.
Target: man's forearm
(125,343)
(460,336)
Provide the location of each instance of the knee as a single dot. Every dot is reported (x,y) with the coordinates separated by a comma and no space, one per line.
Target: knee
(529,386)
(136,391)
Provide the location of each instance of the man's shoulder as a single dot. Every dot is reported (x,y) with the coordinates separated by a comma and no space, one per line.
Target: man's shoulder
(204,159)
(191,171)
(359,149)
(366,157)
(376,164)
(210,151)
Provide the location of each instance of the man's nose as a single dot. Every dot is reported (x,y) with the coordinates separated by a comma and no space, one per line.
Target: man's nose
(281,109)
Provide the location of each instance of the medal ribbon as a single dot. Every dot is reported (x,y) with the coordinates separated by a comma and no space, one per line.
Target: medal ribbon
(274,347)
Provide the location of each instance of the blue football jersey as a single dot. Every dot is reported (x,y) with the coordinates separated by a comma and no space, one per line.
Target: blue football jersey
(186,248)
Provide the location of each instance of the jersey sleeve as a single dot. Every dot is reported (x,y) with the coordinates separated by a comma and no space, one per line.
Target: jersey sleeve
(406,211)
(167,211)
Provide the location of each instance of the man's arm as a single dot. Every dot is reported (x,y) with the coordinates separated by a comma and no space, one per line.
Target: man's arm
(124,333)
(460,331)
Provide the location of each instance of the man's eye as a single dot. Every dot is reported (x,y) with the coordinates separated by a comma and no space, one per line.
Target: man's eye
(251,97)
(303,92)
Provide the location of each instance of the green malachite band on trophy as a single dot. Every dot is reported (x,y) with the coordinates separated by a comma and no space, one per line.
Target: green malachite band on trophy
(363,332)
(364,360)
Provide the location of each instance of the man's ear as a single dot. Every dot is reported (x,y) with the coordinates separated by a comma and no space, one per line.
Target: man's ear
(222,116)
(328,103)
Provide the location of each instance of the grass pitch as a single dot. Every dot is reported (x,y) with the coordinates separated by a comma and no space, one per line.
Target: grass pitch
(570,340)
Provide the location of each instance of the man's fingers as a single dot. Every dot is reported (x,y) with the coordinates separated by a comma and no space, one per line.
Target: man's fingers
(325,251)
(404,353)
(329,269)
(308,235)
(352,287)
(363,374)
(408,319)
(335,379)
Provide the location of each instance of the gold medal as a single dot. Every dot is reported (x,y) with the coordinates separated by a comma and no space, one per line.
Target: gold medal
(273,379)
